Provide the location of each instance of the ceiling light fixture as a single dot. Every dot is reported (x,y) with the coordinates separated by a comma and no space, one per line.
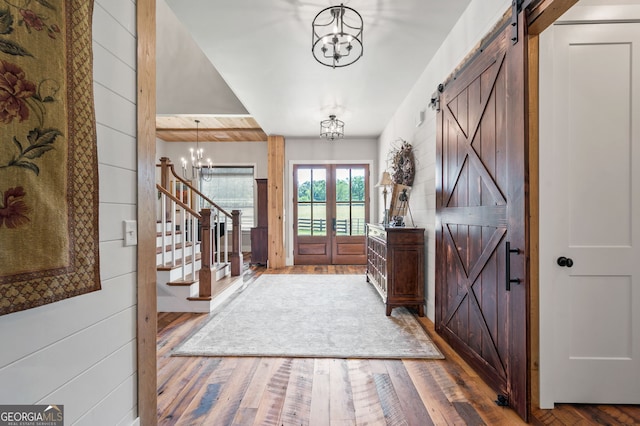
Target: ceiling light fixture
(332,128)
(195,164)
(337,36)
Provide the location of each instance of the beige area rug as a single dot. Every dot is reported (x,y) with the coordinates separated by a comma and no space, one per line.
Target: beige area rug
(319,316)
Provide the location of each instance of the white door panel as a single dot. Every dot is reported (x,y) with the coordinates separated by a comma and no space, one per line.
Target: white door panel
(590,213)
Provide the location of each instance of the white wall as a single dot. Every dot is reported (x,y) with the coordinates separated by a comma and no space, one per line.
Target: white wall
(194,89)
(81,352)
(476,22)
(222,154)
(321,151)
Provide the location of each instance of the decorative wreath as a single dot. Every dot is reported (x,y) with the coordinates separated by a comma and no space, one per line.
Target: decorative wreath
(403,164)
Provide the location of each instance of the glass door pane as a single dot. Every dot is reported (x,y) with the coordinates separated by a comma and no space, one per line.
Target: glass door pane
(350,201)
(312,202)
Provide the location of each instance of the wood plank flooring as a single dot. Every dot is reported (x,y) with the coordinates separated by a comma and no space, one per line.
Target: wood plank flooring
(305,391)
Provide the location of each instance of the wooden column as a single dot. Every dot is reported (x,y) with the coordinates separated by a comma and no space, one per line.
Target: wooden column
(236,243)
(147,323)
(275,197)
(204,278)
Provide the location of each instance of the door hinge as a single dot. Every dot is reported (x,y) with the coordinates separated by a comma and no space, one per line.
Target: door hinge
(502,401)
(516,7)
(434,103)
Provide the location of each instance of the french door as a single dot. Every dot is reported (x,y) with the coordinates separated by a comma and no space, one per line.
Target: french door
(481,251)
(330,210)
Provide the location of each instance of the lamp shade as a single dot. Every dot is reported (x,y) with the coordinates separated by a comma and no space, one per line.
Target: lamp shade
(385,180)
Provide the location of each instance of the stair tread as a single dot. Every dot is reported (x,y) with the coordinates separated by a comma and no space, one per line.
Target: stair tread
(195,298)
(169,267)
(187,281)
(159,234)
(178,246)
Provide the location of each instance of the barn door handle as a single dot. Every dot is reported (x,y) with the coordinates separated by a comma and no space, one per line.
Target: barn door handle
(510,280)
(565,261)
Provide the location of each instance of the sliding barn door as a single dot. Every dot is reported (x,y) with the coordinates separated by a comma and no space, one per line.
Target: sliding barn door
(481,249)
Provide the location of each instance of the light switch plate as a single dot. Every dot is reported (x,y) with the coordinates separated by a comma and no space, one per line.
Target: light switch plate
(130,233)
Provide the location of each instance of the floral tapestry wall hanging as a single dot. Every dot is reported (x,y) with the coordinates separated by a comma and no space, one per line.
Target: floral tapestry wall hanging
(48,153)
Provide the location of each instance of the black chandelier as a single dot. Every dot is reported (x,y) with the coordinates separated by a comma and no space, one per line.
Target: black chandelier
(332,128)
(337,36)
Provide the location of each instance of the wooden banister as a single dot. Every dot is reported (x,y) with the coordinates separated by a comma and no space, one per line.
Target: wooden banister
(166,167)
(173,198)
(212,223)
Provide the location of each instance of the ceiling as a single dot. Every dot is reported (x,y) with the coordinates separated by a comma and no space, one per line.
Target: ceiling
(262,50)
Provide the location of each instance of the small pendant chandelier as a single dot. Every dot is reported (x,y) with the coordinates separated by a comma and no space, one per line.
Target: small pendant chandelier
(332,128)
(194,169)
(337,36)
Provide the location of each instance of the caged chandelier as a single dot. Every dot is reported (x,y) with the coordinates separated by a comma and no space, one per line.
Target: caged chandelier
(332,128)
(194,168)
(337,36)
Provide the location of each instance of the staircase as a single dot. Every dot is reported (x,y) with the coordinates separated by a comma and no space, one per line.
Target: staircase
(191,254)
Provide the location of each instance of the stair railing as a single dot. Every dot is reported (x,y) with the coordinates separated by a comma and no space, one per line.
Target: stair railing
(181,220)
(212,219)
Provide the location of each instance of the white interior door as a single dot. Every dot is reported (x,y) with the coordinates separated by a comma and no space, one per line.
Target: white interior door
(590,213)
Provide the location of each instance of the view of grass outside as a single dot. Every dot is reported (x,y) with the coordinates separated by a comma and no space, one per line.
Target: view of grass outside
(350,202)
(320,222)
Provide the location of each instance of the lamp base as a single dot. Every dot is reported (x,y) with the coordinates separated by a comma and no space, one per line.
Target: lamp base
(385,217)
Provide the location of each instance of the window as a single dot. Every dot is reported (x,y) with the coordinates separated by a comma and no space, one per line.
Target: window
(231,187)
(312,201)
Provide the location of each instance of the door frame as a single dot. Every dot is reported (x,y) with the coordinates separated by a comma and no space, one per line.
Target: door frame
(544,14)
(331,240)
(613,14)
(289,231)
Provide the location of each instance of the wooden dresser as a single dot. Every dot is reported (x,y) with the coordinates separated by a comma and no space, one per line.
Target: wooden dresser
(395,265)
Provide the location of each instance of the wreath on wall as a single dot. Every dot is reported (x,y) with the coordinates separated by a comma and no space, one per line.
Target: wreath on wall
(403,167)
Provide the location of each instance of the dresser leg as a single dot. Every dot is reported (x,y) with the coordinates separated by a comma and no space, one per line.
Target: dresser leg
(421,310)
(389,308)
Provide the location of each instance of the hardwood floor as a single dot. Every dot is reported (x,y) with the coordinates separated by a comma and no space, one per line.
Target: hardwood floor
(305,391)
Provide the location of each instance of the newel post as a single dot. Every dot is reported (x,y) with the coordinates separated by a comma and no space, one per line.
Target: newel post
(205,249)
(164,172)
(236,243)
(164,182)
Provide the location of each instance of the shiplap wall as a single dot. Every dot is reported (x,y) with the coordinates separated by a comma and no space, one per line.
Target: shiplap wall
(477,20)
(81,352)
